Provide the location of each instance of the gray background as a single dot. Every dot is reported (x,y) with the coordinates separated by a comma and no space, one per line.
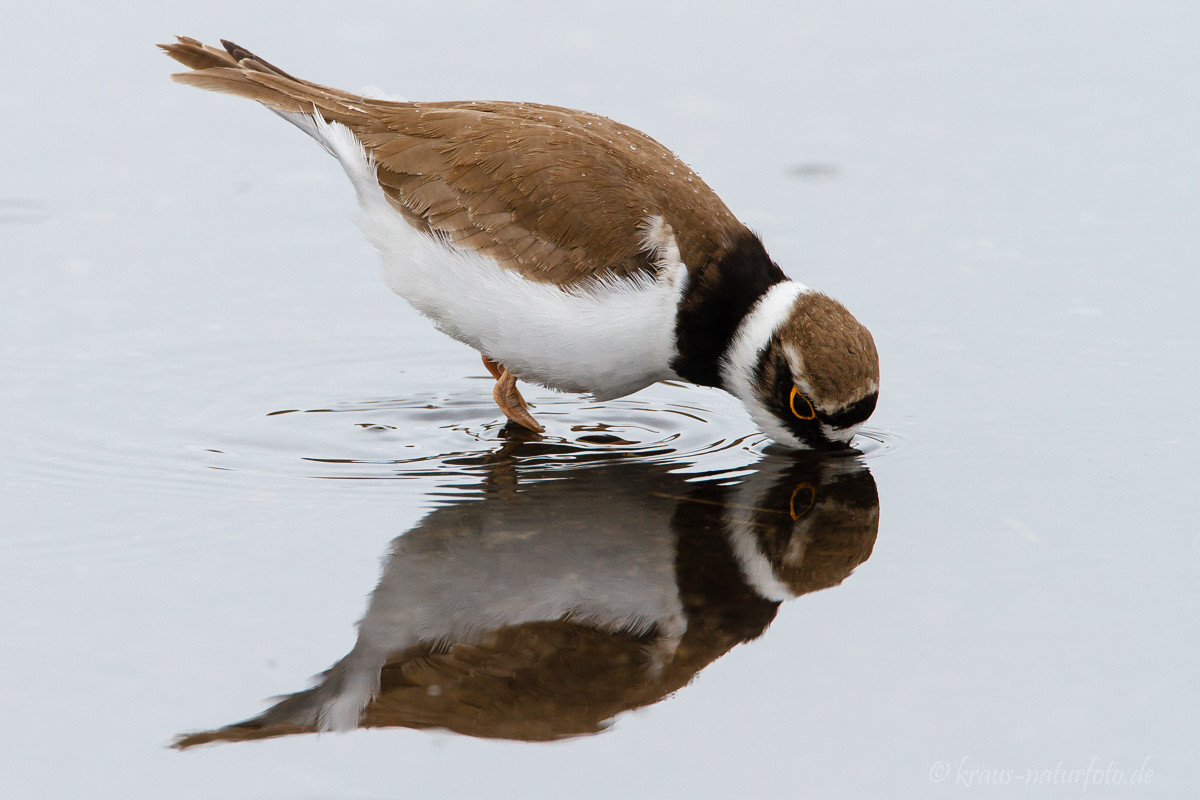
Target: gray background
(1006,194)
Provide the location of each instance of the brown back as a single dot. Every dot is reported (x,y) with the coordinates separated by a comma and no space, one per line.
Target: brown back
(556,194)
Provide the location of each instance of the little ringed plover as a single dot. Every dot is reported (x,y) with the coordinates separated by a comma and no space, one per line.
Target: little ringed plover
(573,252)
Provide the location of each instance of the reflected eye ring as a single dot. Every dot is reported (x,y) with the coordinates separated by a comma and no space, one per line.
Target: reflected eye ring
(811,498)
(806,405)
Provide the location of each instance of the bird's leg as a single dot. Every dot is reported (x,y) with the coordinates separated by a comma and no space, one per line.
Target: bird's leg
(493,367)
(508,398)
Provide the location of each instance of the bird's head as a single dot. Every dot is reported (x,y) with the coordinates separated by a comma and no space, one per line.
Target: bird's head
(805,368)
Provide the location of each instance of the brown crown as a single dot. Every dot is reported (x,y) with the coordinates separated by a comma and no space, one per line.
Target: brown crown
(840,359)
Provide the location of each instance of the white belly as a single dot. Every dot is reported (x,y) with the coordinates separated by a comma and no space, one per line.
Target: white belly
(607,338)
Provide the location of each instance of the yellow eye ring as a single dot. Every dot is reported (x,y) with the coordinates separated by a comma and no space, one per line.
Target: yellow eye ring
(805,411)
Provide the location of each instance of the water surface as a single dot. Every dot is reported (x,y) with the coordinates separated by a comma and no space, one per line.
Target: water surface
(221,434)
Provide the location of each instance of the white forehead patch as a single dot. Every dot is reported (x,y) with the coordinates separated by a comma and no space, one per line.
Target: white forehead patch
(840,434)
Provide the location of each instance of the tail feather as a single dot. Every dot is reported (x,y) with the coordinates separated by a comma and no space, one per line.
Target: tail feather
(247,59)
(194,54)
(237,71)
(229,82)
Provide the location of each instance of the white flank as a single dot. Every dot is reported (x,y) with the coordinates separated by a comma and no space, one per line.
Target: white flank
(607,338)
(471,568)
(737,367)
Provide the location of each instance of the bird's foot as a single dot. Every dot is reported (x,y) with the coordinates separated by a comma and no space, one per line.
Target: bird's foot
(508,398)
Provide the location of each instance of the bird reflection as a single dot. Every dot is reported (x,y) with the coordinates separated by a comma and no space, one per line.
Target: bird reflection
(543,604)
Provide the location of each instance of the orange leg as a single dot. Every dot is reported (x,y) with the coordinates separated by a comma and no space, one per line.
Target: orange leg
(493,367)
(508,398)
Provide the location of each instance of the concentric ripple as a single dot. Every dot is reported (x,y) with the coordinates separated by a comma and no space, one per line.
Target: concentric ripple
(273,417)
(460,428)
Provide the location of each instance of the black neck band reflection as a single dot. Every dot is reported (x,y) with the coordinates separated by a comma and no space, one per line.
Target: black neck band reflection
(543,605)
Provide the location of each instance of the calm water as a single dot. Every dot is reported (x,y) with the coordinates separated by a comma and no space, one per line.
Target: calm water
(224,442)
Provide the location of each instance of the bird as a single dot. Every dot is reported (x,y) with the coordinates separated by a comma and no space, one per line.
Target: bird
(572,252)
(526,615)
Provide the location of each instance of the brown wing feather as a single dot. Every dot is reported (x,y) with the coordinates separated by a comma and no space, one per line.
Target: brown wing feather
(556,194)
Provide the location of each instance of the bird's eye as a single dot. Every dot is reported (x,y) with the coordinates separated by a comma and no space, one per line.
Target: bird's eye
(800,405)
